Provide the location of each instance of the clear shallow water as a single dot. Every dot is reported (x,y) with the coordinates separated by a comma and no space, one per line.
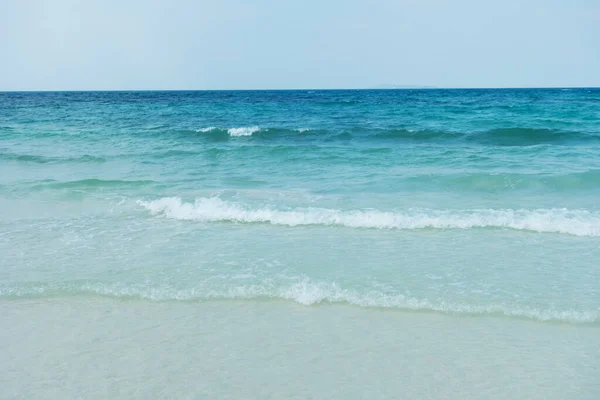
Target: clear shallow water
(478,202)
(111,348)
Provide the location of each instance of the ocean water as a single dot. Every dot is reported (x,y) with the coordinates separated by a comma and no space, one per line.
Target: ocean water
(472,213)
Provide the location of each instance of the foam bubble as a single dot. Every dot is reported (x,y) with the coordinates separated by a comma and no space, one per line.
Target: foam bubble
(572,222)
(243,131)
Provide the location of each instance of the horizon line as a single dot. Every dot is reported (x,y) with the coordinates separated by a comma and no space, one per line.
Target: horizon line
(407,87)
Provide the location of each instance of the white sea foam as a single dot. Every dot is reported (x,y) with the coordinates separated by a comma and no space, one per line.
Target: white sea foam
(305,292)
(572,222)
(243,131)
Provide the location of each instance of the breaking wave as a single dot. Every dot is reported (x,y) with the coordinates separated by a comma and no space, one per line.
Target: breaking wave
(213,209)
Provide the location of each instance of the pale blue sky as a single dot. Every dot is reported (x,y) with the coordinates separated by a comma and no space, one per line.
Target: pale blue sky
(229,44)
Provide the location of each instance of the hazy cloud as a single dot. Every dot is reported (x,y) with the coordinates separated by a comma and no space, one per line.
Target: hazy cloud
(227,44)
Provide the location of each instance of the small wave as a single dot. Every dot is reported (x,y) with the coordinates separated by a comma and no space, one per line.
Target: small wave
(233,132)
(92,183)
(528,137)
(493,137)
(304,292)
(208,129)
(572,222)
(415,134)
(588,180)
(256,132)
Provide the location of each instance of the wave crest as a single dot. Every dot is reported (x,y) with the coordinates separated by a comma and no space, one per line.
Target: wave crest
(241,131)
(213,209)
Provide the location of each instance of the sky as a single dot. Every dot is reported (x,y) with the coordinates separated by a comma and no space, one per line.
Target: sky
(296,44)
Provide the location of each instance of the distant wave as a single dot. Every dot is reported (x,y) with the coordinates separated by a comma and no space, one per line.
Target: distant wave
(346,102)
(415,134)
(473,181)
(208,129)
(572,222)
(255,131)
(494,137)
(508,181)
(302,291)
(241,131)
(91,183)
(529,136)
(46,159)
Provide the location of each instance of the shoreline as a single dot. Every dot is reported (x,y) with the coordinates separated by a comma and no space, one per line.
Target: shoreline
(551,317)
(100,347)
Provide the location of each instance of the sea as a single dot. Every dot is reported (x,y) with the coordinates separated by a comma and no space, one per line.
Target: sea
(301,244)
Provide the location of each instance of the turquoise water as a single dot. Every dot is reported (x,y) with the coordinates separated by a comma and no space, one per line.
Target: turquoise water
(479,202)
